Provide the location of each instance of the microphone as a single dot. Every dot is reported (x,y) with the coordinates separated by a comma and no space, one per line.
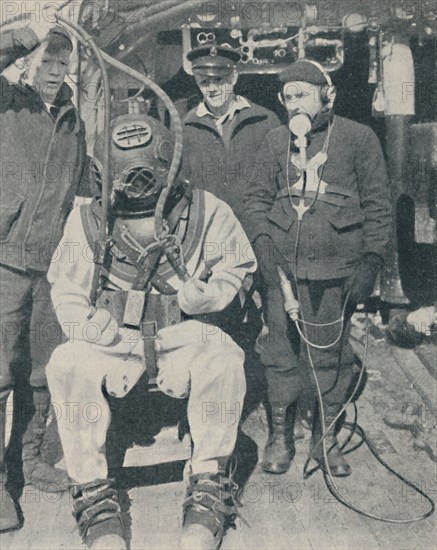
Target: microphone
(291,305)
(300,125)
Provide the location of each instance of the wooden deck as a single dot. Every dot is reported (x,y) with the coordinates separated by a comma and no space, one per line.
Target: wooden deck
(286,512)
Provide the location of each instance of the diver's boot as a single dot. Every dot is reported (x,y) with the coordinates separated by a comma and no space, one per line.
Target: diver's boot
(98,515)
(36,470)
(279,450)
(8,513)
(210,508)
(336,461)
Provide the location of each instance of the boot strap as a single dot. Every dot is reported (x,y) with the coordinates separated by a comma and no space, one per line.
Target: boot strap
(211,501)
(95,503)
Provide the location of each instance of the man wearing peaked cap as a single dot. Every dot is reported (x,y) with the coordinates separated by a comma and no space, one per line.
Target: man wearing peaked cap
(327,226)
(223,133)
(221,138)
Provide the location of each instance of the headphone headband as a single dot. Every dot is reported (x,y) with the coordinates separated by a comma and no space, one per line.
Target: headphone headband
(321,69)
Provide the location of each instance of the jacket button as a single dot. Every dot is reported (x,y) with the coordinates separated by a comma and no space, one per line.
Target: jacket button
(311,235)
(311,256)
(312,210)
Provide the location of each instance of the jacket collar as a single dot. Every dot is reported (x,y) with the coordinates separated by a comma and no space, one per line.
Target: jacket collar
(321,121)
(62,101)
(238,104)
(64,96)
(209,122)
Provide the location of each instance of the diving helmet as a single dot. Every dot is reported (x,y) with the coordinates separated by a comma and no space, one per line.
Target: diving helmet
(141,154)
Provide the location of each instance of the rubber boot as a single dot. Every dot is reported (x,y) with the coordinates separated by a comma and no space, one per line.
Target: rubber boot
(8,513)
(36,470)
(98,515)
(279,450)
(336,461)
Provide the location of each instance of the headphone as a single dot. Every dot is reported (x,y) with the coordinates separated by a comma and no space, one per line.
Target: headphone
(328,90)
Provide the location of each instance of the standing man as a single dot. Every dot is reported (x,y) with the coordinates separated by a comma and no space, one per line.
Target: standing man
(328,228)
(42,152)
(223,133)
(222,136)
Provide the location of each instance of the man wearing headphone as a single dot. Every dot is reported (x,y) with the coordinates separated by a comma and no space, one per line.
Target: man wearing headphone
(320,211)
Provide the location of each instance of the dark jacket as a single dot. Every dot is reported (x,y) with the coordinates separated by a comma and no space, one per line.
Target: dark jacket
(42,163)
(351,218)
(219,167)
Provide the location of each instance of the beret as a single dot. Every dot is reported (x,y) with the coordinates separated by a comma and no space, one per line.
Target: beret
(57,32)
(305,70)
(213,60)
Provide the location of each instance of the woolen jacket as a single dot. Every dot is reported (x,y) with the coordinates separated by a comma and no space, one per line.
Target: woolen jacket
(42,162)
(351,214)
(223,166)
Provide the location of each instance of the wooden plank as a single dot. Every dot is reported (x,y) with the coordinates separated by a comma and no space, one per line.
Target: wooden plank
(156,516)
(417,375)
(427,353)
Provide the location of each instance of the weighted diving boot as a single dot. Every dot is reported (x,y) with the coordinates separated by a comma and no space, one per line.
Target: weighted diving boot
(98,515)
(36,470)
(210,508)
(336,461)
(280,449)
(8,513)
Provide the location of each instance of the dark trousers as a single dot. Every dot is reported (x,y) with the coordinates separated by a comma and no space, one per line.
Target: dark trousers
(29,328)
(285,355)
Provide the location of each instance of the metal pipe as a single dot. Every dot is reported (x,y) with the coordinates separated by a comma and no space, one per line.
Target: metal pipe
(156,8)
(62,6)
(153,20)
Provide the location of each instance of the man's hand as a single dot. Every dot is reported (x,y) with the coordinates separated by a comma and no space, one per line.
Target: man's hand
(17,45)
(360,284)
(27,37)
(194,296)
(89,324)
(106,327)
